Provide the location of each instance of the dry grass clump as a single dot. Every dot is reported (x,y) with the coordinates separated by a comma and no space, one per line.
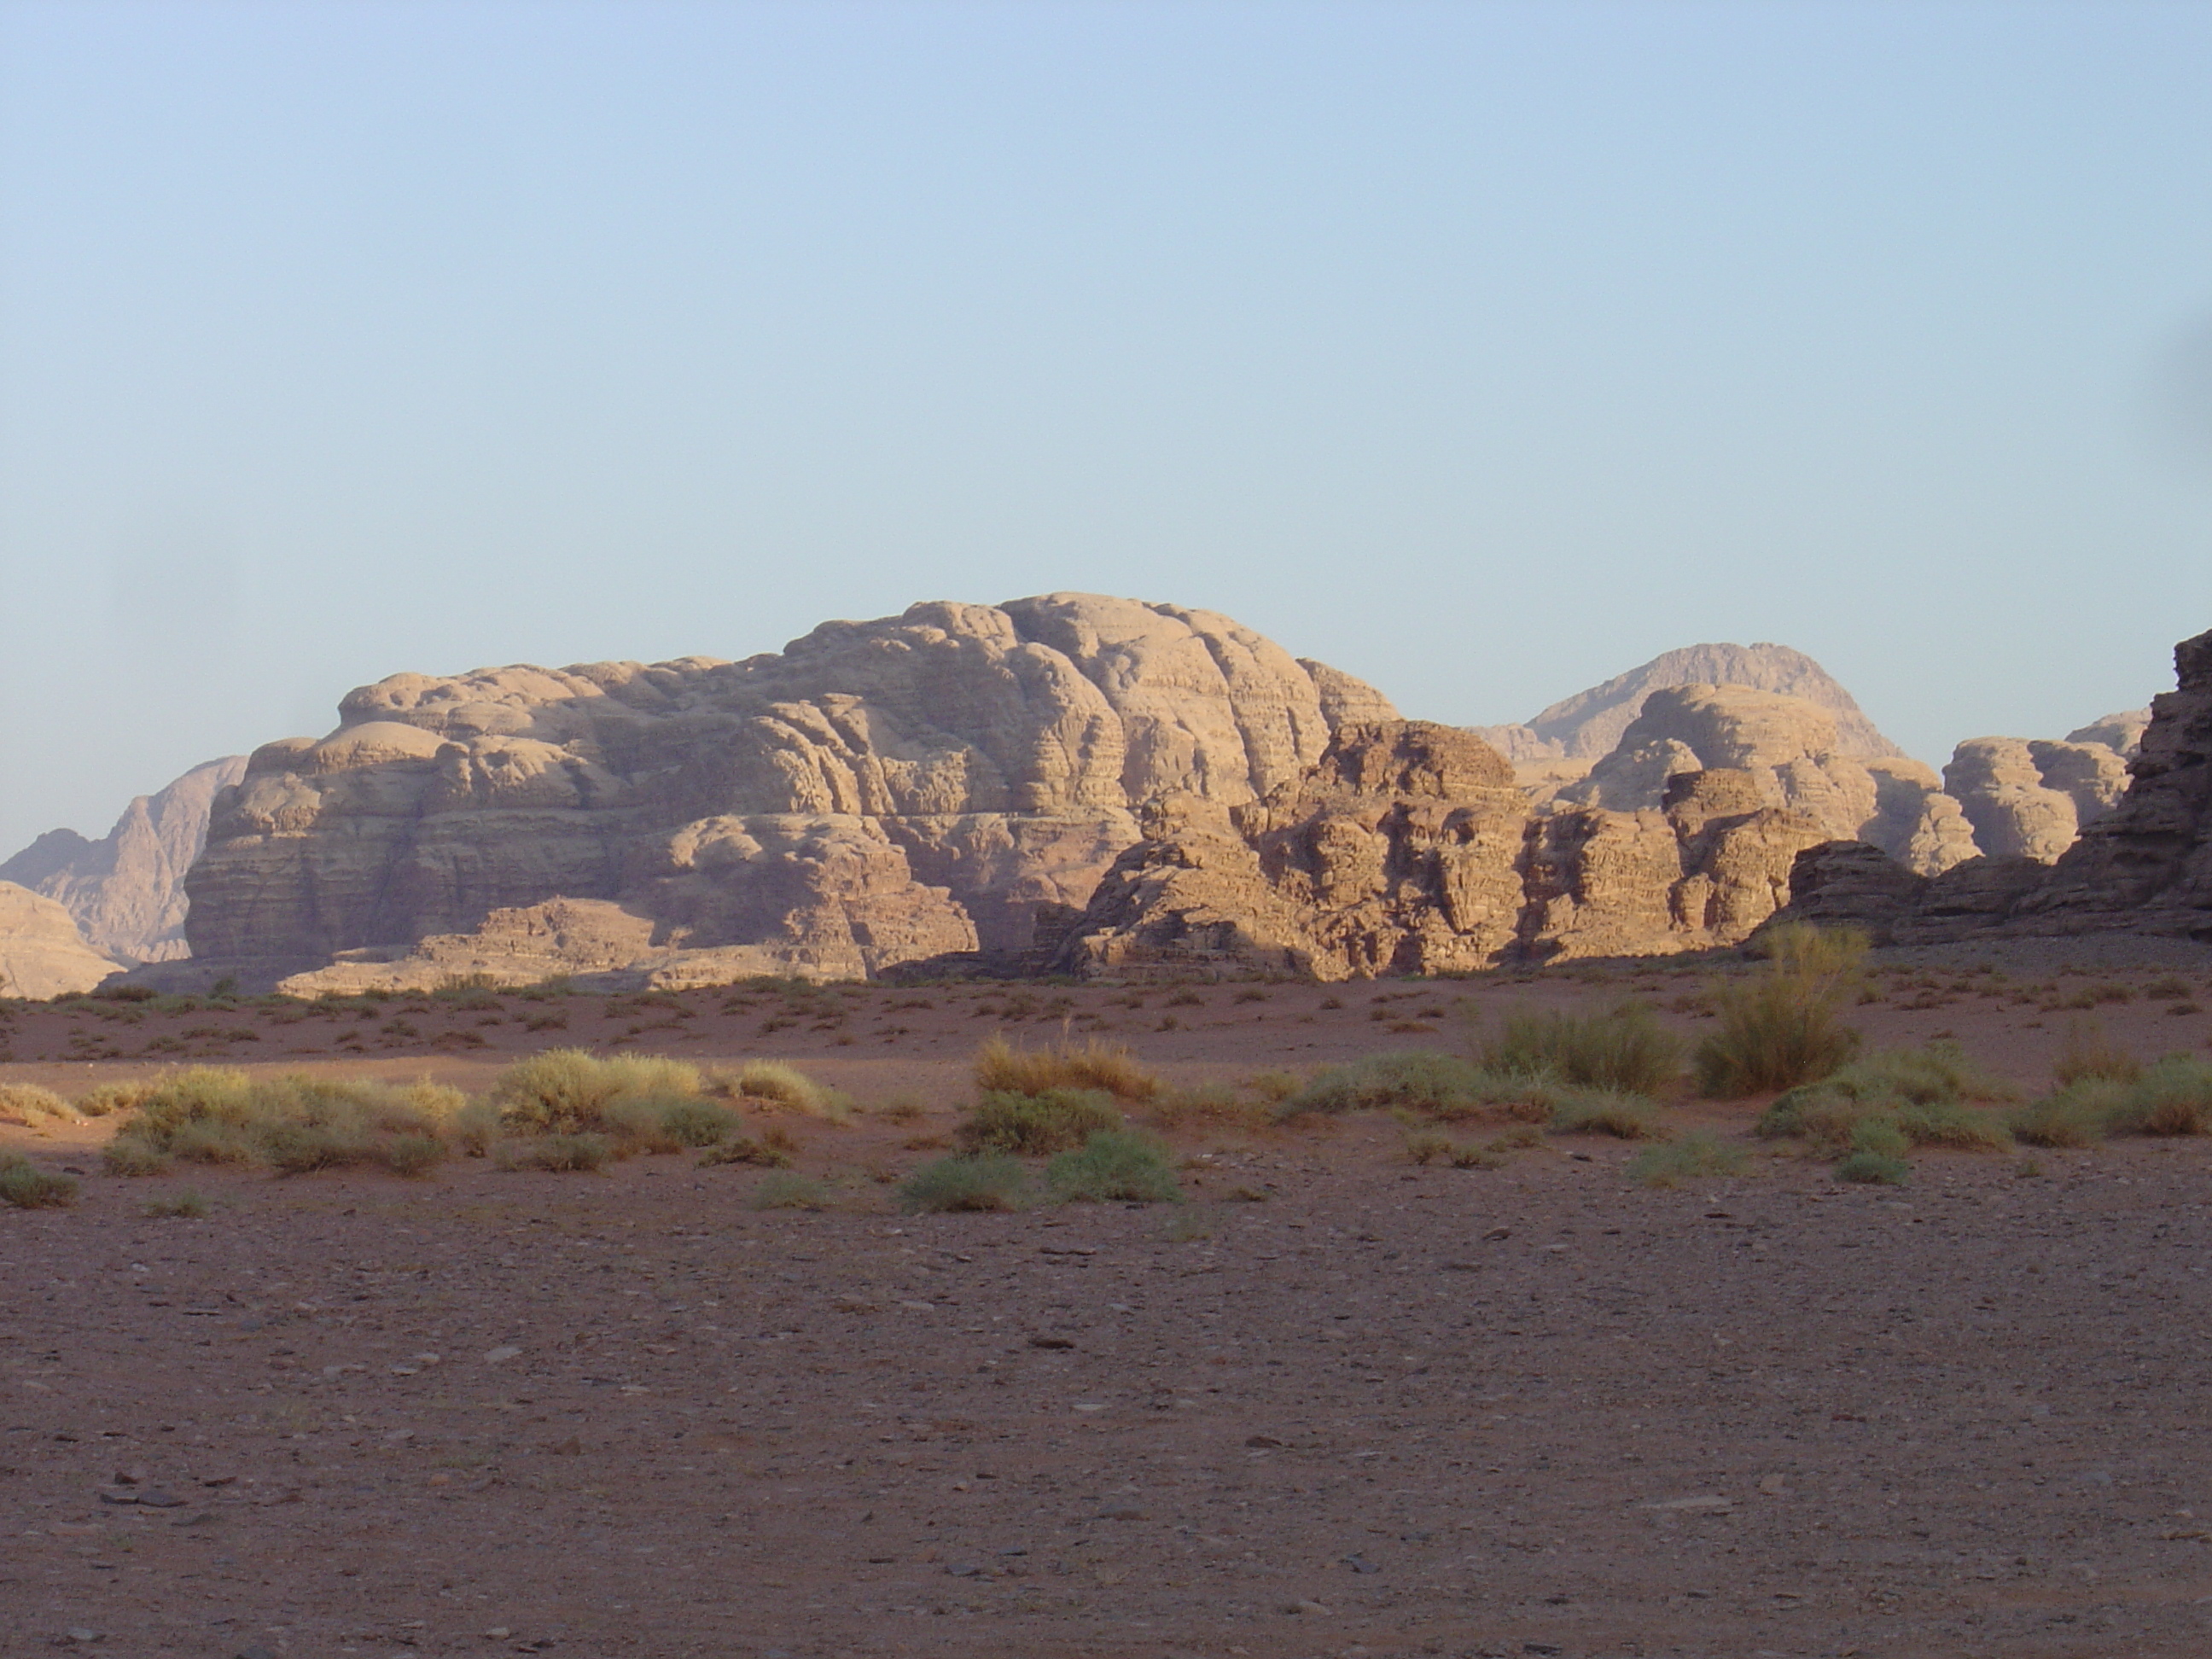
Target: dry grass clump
(1784,1026)
(1210,1103)
(987,1180)
(1115,1166)
(2080,1115)
(2088,1051)
(1598,1111)
(23,1186)
(1697,1155)
(786,1189)
(1036,1124)
(789,1087)
(569,1091)
(2173,1097)
(1433,1084)
(1626,1049)
(28,1105)
(579,1154)
(1001,1068)
(187,1206)
(1905,1098)
(291,1124)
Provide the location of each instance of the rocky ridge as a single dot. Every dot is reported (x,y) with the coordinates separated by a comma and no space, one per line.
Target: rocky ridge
(1406,848)
(876,793)
(42,954)
(126,889)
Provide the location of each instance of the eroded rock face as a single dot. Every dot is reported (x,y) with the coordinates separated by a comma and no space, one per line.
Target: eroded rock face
(42,954)
(126,890)
(876,792)
(1792,748)
(2030,798)
(1407,849)
(1590,724)
(2144,865)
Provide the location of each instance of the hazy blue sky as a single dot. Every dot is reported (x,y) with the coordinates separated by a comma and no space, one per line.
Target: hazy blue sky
(1484,350)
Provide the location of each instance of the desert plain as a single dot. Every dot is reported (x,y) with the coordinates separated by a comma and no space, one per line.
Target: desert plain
(1336,1402)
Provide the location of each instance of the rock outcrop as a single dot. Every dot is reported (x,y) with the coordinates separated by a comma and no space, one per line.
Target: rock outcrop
(875,793)
(2031,798)
(1590,724)
(127,890)
(1408,849)
(42,954)
(2143,866)
(1792,748)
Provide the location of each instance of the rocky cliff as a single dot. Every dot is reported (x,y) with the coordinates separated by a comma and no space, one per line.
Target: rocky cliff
(1407,849)
(876,792)
(2031,798)
(41,952)
(127,890)
(2143,865)
(1591,723)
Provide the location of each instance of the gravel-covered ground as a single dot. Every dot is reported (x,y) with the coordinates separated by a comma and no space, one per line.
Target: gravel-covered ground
(1338,1404)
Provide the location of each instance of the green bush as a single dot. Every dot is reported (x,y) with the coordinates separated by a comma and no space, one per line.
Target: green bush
(1881,1137)
(2174,1098)
(1784,1026)
(1696,1156)
(2080,1115)
(1050,1121)
(988,1181)
(697,1123)
(1959,1127)
(1626,1050)
(1874,1168)
(1424,1081)
(28,1188)
(1593,1111)
(1115,1166)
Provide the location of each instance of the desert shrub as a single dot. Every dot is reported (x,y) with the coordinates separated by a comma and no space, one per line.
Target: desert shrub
(1784,1026)
(1115,1166)
(474,1128)
(1595,1111)
(1470,1156)
(1273,1086)
(413,1154)
(1880,1136)
(26,1186)
(28,1105)
(1625,1049)
(789,1087)
(1696,1156)
(1050,1121)
(1938,1073)
(580,1154)
(1941,1123)
(1001,1068)
(1424,1081)
(2079,1114)
(786,1189)
(2174,1098)
(292,1124)
(987,1180)
(109,1098)
(1210,1103)
(131,1157)
(568,1092)
(697,1123)
(744,1149)
(2088,1051)
(187,1206)
(1874,1168)
(1426,1148)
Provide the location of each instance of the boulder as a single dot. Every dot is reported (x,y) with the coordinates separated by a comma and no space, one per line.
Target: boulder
(2032,798)
(1408,849)
(42,954)
(126,890)
(878,793)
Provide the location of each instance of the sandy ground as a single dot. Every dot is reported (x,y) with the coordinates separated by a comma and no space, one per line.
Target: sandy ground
(1336,1405)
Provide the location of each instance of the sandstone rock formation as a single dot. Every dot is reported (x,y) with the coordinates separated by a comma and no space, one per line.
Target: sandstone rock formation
(42,953)
(877,792)
(2030,798)
(1408,849)
(1792,747)
(1590,724)
(2145,865)
(127,890)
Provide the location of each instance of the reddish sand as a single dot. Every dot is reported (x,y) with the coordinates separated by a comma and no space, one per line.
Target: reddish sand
(1383,1410)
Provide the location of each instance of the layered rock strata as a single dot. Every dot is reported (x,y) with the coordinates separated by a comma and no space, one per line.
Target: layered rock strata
(2033,798)
(126,890)
(42,954)
(1408,849)
(875,793)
